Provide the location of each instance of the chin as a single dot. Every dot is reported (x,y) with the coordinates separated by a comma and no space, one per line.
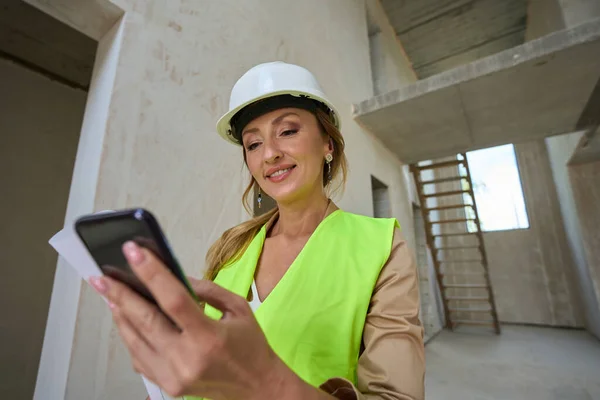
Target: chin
(285,196)
(286,193)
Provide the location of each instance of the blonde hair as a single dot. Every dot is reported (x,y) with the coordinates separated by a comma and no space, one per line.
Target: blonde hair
(234,242)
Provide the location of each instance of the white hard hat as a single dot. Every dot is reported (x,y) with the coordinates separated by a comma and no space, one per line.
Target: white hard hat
(268,80)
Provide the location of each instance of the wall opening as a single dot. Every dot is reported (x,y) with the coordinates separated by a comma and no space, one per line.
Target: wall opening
(498,191)
(381,199)
(45,71)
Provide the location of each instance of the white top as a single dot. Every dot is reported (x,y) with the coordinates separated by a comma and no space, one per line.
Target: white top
(255,302)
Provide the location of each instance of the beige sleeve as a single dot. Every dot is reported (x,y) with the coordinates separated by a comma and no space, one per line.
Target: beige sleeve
(392,364)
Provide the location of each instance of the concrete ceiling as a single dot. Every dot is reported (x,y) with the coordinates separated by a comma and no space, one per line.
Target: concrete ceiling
(544,87)
(33,39)
(441,34)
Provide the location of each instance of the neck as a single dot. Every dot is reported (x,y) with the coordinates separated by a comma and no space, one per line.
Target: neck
(301,217)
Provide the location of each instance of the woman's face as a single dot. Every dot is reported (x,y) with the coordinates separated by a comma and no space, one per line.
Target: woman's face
(285,151)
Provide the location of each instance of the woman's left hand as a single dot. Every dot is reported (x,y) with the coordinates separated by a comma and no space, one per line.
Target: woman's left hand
(225,359)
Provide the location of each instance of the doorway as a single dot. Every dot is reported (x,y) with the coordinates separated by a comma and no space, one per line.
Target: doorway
(45,73)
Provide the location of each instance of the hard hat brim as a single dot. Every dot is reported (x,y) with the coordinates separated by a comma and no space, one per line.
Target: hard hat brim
(224,123)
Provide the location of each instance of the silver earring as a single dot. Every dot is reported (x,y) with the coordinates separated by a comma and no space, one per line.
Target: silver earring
(328,160)
(259,199)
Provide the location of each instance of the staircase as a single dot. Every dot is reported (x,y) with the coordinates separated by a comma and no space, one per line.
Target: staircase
(455,240)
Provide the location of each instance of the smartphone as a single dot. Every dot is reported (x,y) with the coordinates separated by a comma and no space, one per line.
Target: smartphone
(105,233)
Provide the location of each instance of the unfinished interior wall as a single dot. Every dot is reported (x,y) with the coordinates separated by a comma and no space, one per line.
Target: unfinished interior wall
(177,63)
(390,67)
(429,311)
(586,192)
(560,150)
(40,120)
(532,269)
(544,17)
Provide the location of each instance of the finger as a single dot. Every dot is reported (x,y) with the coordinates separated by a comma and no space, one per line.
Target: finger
(222,299)
(194,282)
(143,356)
(172,297)
(145,317)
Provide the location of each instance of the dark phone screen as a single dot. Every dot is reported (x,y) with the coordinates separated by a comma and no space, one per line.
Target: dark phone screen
(104,239)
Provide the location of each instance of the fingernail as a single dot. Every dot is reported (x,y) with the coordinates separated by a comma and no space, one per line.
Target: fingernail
(99,284)
(133,253)
(112,305)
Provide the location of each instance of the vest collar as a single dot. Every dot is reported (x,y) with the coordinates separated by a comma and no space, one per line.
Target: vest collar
(269,224)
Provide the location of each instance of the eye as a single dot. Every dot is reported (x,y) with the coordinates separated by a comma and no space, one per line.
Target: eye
(252,146)
(289,132)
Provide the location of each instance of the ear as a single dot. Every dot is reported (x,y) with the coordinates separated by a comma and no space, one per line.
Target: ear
(329,146)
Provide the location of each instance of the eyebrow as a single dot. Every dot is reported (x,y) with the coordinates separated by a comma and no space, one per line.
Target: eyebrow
(275,122)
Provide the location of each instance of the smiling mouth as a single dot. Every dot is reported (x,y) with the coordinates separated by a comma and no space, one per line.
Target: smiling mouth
(280,172)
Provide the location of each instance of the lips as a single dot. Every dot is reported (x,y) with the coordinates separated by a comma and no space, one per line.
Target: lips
(280,173)
(275,171)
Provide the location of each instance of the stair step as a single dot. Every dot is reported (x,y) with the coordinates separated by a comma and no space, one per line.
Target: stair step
(482,274)
(440,165)
(453,206)
(449,193)
(456,247)
(455,234)
(477,310)
(441,180)
(460,261)
(470,322)
(466,285)
(450,221)
(467,298)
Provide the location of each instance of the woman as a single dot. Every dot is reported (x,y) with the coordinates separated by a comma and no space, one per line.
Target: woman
(308,301)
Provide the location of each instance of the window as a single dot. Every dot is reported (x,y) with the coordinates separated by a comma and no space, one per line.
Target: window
(381,199)
(497,188)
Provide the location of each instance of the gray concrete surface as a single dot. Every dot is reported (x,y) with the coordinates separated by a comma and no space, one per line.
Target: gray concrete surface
(441,34)
(523,363)
(30,36)
(535,90)
(40,120)
(562,150)
(532,270)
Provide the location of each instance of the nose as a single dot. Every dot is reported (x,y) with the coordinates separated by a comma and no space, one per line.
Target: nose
(271,152)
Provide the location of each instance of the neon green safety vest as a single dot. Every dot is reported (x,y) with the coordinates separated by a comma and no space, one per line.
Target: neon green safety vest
(314,318)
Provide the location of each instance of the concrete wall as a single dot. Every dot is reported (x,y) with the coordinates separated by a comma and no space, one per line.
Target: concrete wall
(40,122)
(576,12)
(544,17)
(430,312)
(177,62)
(560,150)
(532,270)
(586,191)
(390,66)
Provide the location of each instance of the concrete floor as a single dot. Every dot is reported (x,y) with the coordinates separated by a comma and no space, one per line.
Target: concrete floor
(522,363)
